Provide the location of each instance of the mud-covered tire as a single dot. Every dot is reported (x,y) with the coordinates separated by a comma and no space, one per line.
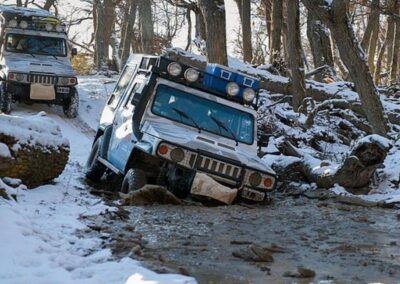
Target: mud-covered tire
(71,105)
(94,169)
(134,179)
(5,102)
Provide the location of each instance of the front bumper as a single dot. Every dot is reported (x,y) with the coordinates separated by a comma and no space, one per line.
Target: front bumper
(21,92)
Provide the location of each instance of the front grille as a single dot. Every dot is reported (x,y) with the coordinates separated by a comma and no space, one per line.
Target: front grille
(42,79)
(217,167)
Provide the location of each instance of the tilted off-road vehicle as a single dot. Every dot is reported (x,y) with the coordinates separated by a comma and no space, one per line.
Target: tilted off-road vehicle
(35,62)
(166,121)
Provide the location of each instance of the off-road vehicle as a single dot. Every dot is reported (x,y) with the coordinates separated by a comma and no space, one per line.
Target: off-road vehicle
(35,62)
(166,121)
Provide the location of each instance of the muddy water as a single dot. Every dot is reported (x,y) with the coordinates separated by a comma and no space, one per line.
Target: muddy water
(342,244)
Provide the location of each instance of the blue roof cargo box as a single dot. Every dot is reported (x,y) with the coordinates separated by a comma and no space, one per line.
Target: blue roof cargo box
(218,76)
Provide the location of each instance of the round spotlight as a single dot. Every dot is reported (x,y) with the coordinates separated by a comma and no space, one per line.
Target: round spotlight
(11,76)
(19,77)
(255,179)
(72,81)
(177,155)
(249,95)
(174,69)
(23,24)
(60,28)
(232,89)
(192,75)
(13,24)
(49,27)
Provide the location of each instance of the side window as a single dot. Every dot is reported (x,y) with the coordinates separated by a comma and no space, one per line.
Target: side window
(121,85)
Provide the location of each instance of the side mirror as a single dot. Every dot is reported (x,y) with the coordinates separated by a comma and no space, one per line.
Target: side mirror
(136,98)
(74,52)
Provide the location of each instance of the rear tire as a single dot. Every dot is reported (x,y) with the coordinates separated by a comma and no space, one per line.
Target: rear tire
(71,105)
(5,102)
(134,179)
(95,169)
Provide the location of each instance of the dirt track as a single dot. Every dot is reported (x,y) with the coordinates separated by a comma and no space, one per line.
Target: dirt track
(341,243)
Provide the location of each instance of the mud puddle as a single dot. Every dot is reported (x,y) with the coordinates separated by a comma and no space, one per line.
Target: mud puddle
(340,243)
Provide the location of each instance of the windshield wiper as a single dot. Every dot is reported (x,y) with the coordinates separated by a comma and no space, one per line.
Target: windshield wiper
(185,115)
(222,125)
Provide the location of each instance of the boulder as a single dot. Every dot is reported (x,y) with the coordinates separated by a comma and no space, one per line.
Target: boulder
(32,149)
(148,195)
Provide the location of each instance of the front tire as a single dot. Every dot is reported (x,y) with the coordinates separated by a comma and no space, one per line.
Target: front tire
(95,169)
(134,179)
(71,105)
(5,102)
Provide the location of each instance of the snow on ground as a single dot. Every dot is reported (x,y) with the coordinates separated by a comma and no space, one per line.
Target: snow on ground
(38,240)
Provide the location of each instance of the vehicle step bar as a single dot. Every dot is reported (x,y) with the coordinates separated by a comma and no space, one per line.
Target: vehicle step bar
(109,165)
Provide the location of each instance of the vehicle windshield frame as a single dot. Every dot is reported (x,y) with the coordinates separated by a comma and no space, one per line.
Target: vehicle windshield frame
(250,117)
(6,48)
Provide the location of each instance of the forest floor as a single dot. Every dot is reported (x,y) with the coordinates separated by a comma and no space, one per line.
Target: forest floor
(341,243)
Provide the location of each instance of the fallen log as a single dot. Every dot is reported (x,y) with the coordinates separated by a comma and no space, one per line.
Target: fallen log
(31,149)
(354,173)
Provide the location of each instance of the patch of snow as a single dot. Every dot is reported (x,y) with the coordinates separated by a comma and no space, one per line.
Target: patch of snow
(4,151)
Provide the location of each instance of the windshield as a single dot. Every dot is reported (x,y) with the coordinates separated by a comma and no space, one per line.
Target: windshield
(31,44)
(201,111)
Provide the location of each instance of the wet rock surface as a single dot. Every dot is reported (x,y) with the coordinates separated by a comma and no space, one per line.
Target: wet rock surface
(294,240)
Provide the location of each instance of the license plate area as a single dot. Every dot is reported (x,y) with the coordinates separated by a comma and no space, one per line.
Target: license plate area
(42,92)
(252,194)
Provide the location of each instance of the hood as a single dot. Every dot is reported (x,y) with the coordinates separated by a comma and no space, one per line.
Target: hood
(204,141)
(43,64)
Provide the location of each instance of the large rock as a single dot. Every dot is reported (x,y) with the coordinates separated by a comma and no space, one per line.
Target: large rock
(32,149)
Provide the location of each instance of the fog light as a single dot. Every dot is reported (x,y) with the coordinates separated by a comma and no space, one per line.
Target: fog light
(191,75)
(72,81)
(232,89)
(255,179)
(249,95)
(163,150)
(13,24)
(59,28)
(11,76)
(23,24)
(177,155)
(174,69)
(19,77)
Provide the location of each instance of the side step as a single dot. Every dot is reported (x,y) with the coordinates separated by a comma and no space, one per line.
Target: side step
(109,165)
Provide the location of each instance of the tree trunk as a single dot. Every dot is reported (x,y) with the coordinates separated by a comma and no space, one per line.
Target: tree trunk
(126,41)
(320,43)
(99,35)
(337,20)
(214,15)
(19,3)
(373,42)
(296,64)
(109,21)
(396,47)
(244,7)
(146,26)
(268,19)
(47,5)
(276,31)
(390,35)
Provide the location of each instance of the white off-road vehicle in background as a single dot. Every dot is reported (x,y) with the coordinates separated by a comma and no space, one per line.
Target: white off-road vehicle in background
(35,64)
(167,122)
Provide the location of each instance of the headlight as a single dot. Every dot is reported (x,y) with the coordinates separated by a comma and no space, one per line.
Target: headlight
(232,89)
(177,155)
(255,179)
(249,95)
(13,24)
(49,27)
(67,81)
(174,69)
(191,75)
(23,24)
(259,180)
(19,77)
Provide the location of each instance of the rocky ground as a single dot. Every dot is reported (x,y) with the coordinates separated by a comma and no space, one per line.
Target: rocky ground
(293,240)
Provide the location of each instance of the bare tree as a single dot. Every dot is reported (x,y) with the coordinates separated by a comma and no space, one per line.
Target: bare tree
(244,7)
(127,39)
(276,31)
(335,16)
(146,26)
